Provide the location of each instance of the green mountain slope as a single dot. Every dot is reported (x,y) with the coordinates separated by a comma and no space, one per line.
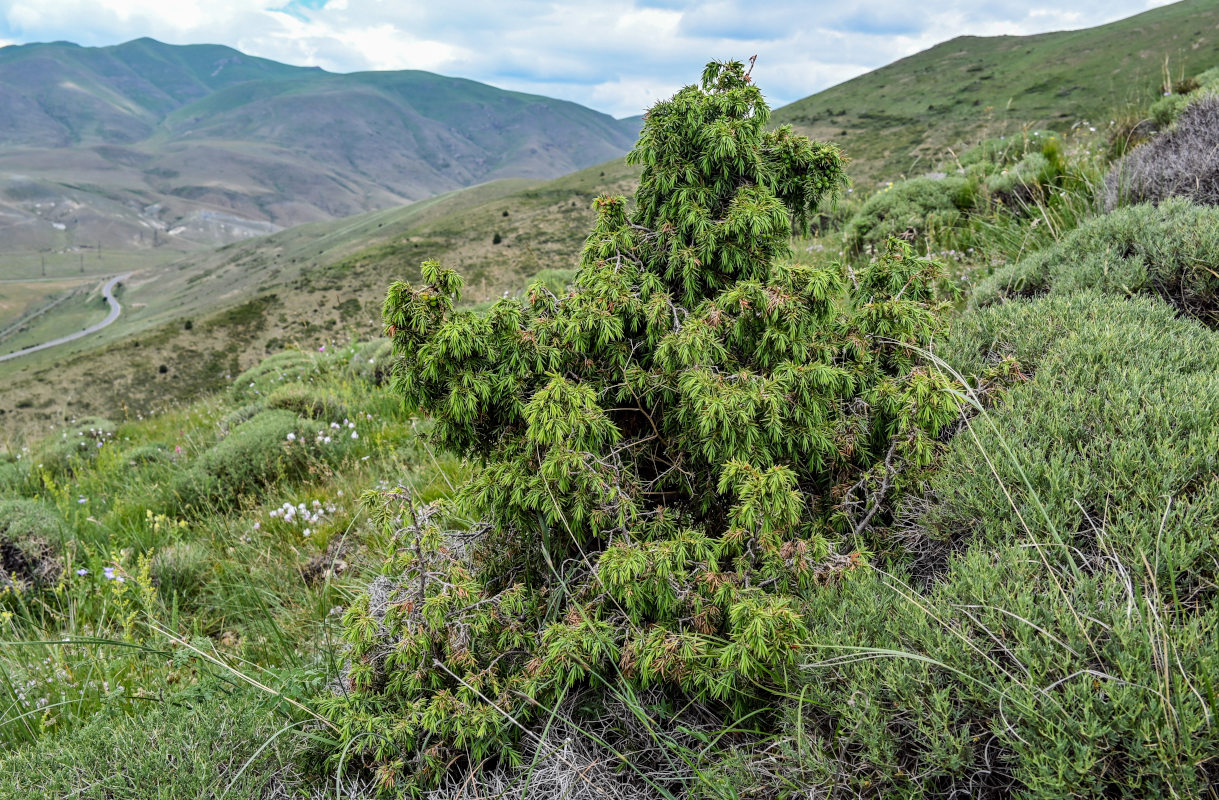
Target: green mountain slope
(61,94)
(146,144)
(900,119)
(325,280)
(309,286)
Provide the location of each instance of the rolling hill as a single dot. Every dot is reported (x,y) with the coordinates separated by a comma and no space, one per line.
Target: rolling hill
(324,281)
(146,144)
(901,119)
(188,325)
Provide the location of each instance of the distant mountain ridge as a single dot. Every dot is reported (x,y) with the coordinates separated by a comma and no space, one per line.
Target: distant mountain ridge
(147,143)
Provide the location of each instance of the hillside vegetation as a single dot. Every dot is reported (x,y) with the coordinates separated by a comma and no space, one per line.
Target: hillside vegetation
(171,102)
(898,121)
(928,517)
(208,317)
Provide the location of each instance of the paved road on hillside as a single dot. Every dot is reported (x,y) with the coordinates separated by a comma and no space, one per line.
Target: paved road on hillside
(115,310)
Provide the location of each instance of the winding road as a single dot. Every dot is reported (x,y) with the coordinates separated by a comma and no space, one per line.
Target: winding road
(115,310)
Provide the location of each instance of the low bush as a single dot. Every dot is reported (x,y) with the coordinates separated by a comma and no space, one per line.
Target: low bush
(307,401)
(241,414)
(372,361)
(992,155)
(1031,179)
(1066,643)
(1116,416)
(146,454)
(272,447)
(32,539)
(290,366)
(910,210)
(1169,250)
(1183,161)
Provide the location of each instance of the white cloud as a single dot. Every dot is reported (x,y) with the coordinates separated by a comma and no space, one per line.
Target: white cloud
(616,55)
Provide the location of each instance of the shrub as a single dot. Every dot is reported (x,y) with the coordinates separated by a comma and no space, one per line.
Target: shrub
(76,446)
(372,361)
(992,155)
(1035,664)
(32,538)
(1180,162)
(146,454)
(272,447)
(239,415)
(308,402)
(670,455)
(1167,250)
(910,210)
(1021,178)
(289,366)
(1031,179)
(1114,419)
(180,571)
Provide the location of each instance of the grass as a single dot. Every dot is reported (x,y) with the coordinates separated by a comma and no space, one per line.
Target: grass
(34,266)
(154,596)
(239,746)
(20,301)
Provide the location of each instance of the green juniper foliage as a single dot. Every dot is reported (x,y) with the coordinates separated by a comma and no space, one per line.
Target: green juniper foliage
(669,455)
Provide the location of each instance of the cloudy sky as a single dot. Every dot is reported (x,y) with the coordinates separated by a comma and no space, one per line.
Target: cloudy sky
(617,56)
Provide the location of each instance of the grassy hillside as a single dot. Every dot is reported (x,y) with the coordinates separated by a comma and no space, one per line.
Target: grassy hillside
(209,316)
(230,585)
(323,281)
(146,145)
(902,119)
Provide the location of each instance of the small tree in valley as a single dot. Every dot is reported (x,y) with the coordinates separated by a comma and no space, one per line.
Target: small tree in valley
(666,458)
